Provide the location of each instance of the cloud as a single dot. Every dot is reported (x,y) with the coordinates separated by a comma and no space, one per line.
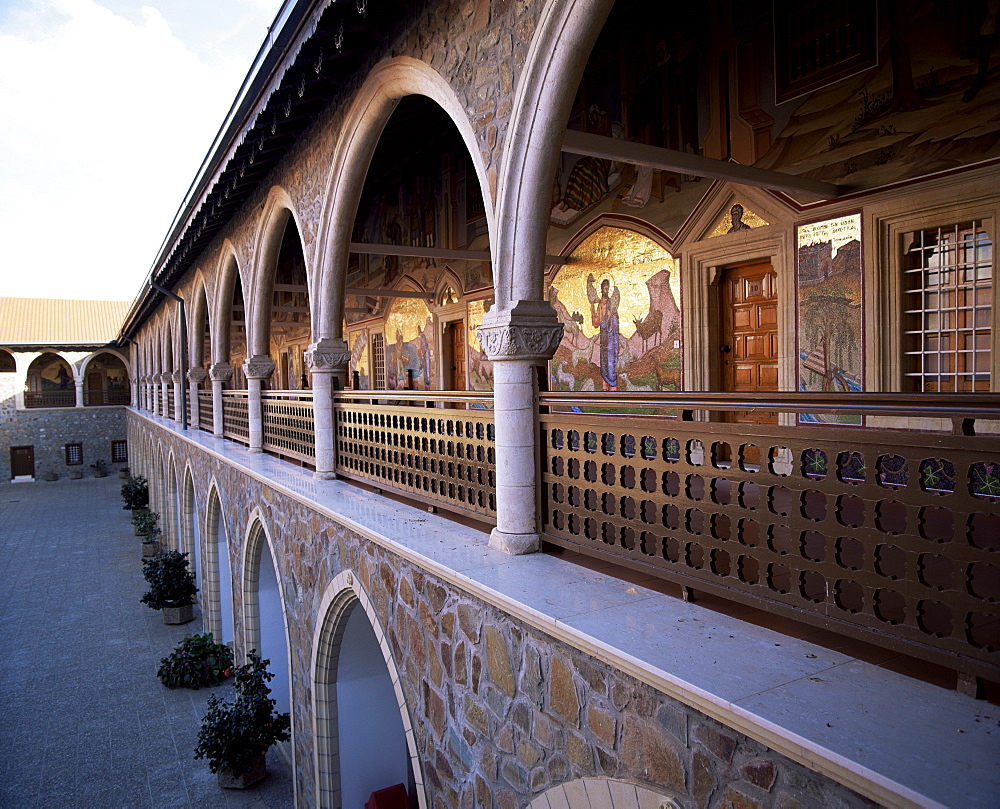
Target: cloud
(107,118)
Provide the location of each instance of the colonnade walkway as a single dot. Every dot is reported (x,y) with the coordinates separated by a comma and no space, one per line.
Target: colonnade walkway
(84,721)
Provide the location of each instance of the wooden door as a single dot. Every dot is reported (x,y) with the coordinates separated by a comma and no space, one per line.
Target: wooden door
(455,339)
(22,462)
(749,335)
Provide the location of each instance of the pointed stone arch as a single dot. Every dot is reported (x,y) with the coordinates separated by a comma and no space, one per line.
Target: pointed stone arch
(386,84)
(263,608)
(217,594)
(344,596)
(190,527)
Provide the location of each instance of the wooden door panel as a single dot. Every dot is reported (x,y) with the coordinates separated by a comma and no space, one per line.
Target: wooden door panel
(22,461)
(749,319)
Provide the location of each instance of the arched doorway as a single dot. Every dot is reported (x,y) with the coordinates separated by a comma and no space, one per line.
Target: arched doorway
(191,532)
(217,600)
(49,383)
(365,740)
(264,614)
(105,381)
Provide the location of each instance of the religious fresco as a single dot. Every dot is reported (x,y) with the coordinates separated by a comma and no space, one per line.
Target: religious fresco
(408,345)
(359,363)
(618,299)
(738,218)
(830,310)
(480,376)
(50,373)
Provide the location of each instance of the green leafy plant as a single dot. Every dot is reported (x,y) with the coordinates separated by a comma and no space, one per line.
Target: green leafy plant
(171,584)
(197,661)
(235,733)
(146,523)
(100,468)
(135,493)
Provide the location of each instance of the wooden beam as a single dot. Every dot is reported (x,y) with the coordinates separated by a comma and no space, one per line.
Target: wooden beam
(432,252)
(638,154)
(388,293)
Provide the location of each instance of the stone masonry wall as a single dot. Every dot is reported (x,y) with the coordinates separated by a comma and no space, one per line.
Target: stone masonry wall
(48,430)
(501,710)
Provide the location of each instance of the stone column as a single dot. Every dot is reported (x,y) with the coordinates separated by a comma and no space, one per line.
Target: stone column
(134,391)
(178,379)
(165,382)
(195,377)
(327,361)
(220,373)
(78,383)
(256,369)
(517,340)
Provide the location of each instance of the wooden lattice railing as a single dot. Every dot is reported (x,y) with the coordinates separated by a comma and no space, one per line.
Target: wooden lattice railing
(236,416)
(885,534)
(288,424)
(399,441)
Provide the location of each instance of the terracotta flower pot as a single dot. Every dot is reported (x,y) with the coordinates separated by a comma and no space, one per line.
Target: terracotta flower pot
(256,773)
(150,549)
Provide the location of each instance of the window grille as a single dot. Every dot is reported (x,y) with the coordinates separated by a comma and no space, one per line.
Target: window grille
(378,362)
(119,451)
(948,308)
(74,454)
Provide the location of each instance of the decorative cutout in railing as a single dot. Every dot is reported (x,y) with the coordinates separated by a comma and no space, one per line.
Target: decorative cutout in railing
(399,441)
(236,416)
(205,406)
(886,533)
(288,424)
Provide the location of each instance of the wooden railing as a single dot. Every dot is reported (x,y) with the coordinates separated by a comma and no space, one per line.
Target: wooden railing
(96,398)
(205,411)
(55,398)
(883,534)
(406,442)
(171,412)
(235,416)
(288,424)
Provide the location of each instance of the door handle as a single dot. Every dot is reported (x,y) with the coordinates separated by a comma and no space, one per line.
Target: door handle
(725,349)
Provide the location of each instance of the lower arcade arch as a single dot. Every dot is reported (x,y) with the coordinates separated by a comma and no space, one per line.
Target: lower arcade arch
(217,596)
(358,698)
(190,538)
(264,622)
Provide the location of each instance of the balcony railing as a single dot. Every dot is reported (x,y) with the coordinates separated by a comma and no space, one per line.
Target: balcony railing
(205,411)
(171,412)
(97,398)
(402,442)
(288,424)
(235,416)
(882,534)
(55,398)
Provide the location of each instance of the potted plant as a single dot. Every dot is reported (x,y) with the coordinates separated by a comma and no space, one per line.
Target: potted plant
(197,661)
(75,474)
(171,586)
(135,493)
(123,473)
(100,468)
(235,736)
(50,475)
(146,525)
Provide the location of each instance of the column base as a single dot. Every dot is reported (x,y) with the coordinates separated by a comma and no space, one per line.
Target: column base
(514,544)
(255,450)
(325,475)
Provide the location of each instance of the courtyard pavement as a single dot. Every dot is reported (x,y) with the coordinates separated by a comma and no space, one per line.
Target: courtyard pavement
(84,721)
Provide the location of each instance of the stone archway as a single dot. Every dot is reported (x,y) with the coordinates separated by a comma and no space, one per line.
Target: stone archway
(355,680)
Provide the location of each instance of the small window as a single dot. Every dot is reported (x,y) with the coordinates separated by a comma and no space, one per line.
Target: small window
(74,454)
(949,308)
(119,451)
(378,361)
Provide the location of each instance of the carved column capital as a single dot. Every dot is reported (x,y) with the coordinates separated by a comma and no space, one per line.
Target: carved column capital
(331,354)
(197,375)
(176,377)
(221,372)
(529,330)
(259,367)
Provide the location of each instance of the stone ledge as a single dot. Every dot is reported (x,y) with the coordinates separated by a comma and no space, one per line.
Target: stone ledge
(832,713)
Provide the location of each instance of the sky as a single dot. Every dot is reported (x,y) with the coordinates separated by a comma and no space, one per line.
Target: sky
(107,109)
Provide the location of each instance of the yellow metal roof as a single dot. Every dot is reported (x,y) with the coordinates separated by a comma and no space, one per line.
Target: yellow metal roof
(49,321)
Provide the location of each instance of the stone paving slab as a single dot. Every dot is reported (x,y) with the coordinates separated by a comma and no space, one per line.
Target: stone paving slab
(84,722)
